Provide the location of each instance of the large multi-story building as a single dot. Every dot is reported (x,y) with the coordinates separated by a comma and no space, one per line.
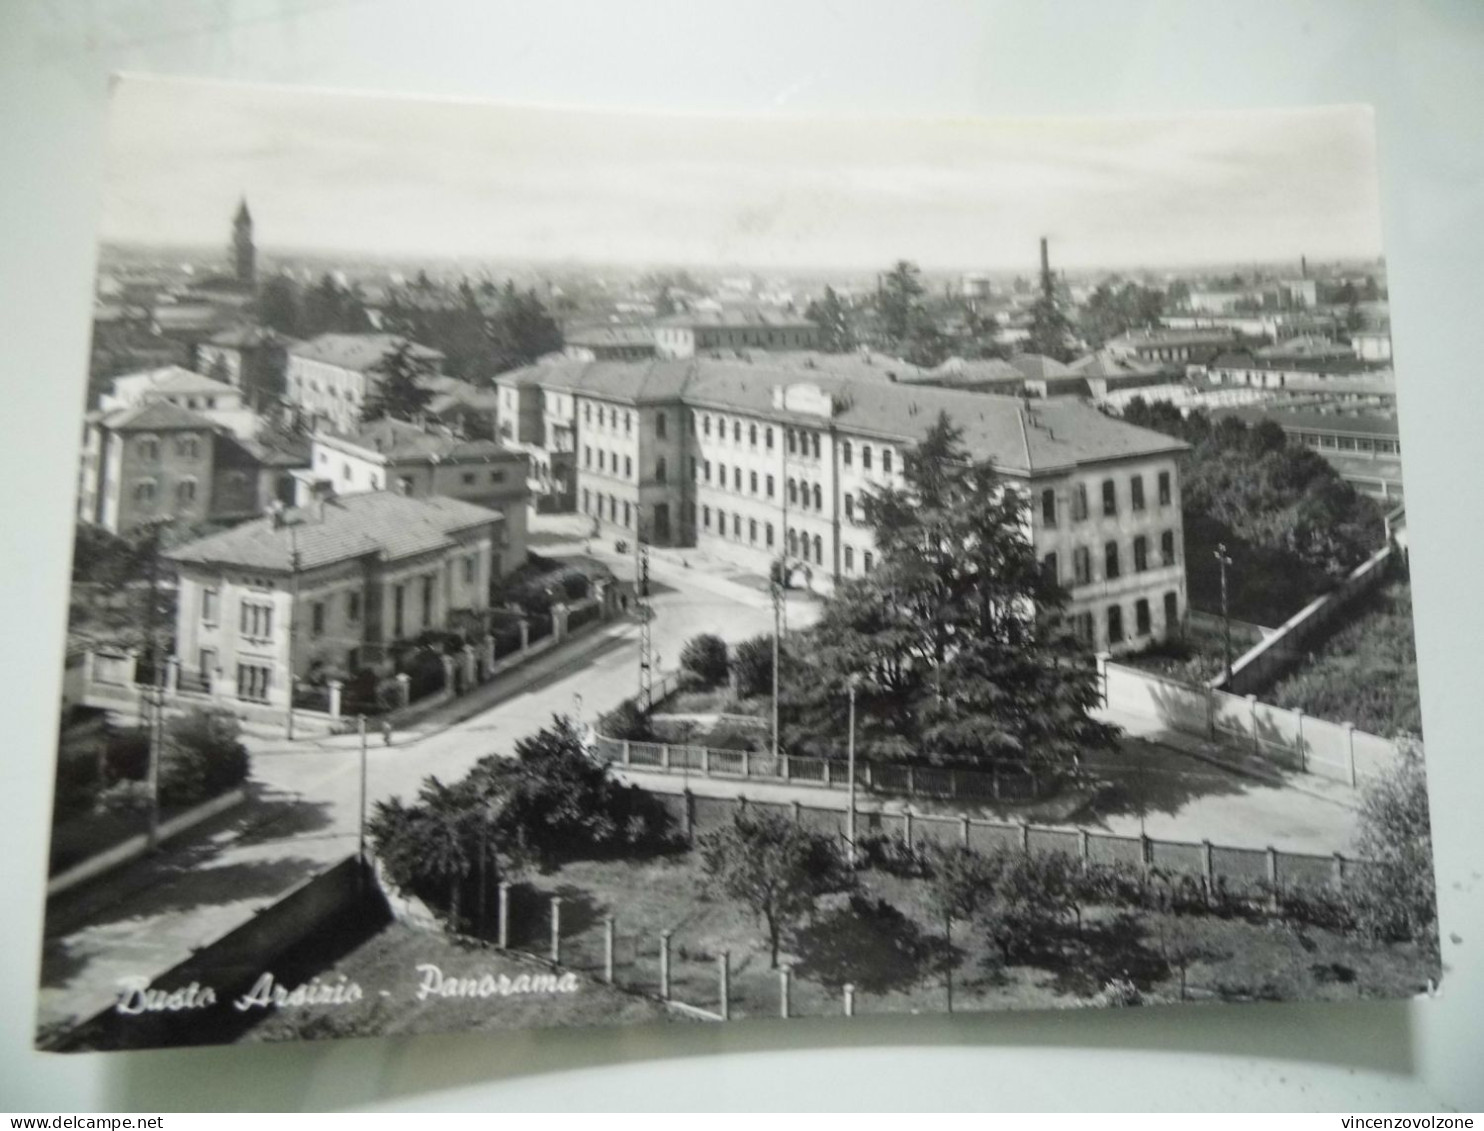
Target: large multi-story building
(147,463)
(412,461)
(330,377)
(699,332)
(326,589)
(215,400)
(763,463)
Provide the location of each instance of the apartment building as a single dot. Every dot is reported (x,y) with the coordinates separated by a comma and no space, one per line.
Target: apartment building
(330,377)
(695,333)
(757,462)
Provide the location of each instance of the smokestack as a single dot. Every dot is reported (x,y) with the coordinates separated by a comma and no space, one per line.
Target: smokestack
(1045,267)
(1303,267)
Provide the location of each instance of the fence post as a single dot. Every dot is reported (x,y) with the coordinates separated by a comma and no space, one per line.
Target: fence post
(404,689)
(608,949)
(746,763)
(907,827)
(1350,750)
(1210,712)
(689,802)
(172,674)
(724,975)
(1302,752)
(964,827)
(335,687)
(706,761)
(1025,837)
(783,768)
(665,965)
(525,634)
(626,752)
(665,756)
(798,812)
(1339,871)
(1252,716)
(911,783)
(556,928)
(1208,863)
(1273,877)
(783,995)
(1084,847)
(1146,852)
(504,915)
(849,999)
(828,777)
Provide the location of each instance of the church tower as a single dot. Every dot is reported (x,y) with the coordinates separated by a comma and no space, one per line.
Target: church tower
(243,255)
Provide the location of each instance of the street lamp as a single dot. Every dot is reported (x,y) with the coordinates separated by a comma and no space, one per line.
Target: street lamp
(776,592)
(850,773)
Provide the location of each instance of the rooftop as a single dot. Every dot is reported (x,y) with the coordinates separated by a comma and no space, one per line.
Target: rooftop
(737,319)
(1357,425)
(156,416)
(382,524)
(175,380)
(625,335)
(401,442)
(357,352)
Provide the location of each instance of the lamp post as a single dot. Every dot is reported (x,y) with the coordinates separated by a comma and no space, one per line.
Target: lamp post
(361,728)
(850,774)
(1224,559)
(776,592)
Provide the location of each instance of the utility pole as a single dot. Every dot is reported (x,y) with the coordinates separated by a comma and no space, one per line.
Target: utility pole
(1226,621)
(776,591)
(155,695)
(850,774)
(645,614)
(293,620)
(361,727)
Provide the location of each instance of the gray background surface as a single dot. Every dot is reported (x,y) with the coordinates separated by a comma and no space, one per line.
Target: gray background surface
(1420,64)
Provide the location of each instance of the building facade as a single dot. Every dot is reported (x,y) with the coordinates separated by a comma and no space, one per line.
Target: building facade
(688,335)
(326,590)
(761,465)
(329,378)
(391,455)
(149,463)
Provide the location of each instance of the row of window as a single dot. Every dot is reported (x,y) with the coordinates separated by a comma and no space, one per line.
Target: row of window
(1078,499)
(607,464)
(147,448)
(147,492)
(1349,443)
(1112,559)
(595,499)
(1082,623)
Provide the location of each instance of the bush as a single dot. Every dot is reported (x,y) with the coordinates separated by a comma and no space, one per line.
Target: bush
(126,756)
(576,586)
(752,660)
(706,656)
(628,721)
(203,757)
(424,669)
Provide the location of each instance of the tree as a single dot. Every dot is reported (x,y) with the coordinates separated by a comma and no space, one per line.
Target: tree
(954,637)
(1396,896)
(522,330)
(706,657)
(833,320)
(899,300)
(400,391)
(278,306)
(327,307)
(434,846)
(203,756)
(773,866)
(960,881)
(752,661)
(1050,329)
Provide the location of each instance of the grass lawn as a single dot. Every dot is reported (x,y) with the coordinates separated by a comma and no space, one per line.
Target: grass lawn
(1199,654)
(385,967)
(1366,671)
(883,940)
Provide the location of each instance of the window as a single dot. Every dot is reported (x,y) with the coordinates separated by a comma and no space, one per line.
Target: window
(660,426)
(587,456)
(1172,611)
(256,621)
(471,568)
(185,492)
(1115,624)
(210,606)
(768,439)
(770,486)
(752,435)
(816,445)
(736,431)
(1110,561)
(399,608)
(793,442)
(706,517)
(602,460)
(768,535)
(868,561)
(660,470)
(1082,566)
(1079,503)
(737,526)
(885,460)
(468,479)
(736,479)
(317,618)
(752,530)
(628,424)
(587,414)
(1141,554)
(793,492)
(1136,489)
(149,449)
(819,548)
(353,607)
(866,456)
(849,559)
(1167,547)
(253,682)
(849,508)
(818,498)
(1048,507)
(1164,488)
(1110,498)
(1141,617)
(1050,570)
(427,601)
(626,515)
(144,492)
(187,447)
(695,470)
(752,482)
(628,467)
(846,452)
(706,424)
(793,543)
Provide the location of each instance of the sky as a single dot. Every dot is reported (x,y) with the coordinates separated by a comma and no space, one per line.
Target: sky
(369,174)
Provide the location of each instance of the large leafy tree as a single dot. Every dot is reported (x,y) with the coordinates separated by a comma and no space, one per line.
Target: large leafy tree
(833,320)
(522,329)
(1396,893)
(954,640)
(401,392)
(776,868)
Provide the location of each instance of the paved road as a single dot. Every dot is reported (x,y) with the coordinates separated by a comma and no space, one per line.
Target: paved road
(305,810)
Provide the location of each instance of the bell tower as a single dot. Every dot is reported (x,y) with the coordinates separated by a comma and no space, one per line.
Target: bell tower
(243,255)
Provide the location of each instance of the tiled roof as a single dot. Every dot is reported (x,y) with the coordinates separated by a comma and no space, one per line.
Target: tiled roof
(283,451)
(401,442)
(1039,365)
(1047,435)
(157,416)
(610,336)
(386,525)
(357,352)
(248,337)
(1318,421)
(738,319)
(177,380)
(974,371)
(1103,363)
